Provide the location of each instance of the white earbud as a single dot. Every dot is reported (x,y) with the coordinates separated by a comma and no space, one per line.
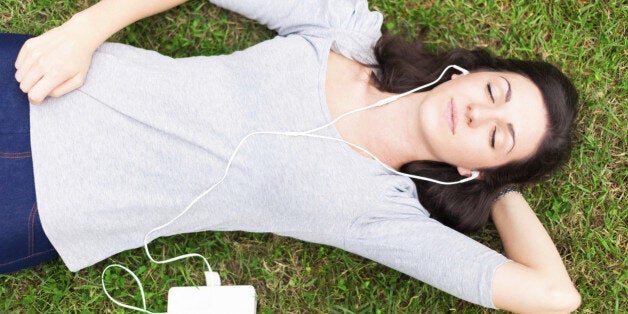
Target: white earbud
(474,174)
(462,70)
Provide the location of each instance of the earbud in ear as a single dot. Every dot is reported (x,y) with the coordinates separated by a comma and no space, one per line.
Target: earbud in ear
(474,174)
(461,69)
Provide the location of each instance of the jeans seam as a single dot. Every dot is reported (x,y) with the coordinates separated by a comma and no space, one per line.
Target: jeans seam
(15,155)
(31,229)
(26,257)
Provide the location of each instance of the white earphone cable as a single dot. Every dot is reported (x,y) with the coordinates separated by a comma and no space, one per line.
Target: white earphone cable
(137,280)
(307,133)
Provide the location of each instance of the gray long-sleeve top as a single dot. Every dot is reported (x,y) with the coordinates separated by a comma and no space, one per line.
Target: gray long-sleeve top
(146,134)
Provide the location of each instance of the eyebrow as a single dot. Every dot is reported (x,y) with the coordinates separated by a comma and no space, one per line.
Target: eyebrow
(509,91)
(512,133)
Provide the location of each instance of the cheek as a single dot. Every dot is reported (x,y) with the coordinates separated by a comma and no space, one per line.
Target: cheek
(462,152)
(473,152)
(472,143)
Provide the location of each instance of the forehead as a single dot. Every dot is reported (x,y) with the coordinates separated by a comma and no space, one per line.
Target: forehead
(527,112)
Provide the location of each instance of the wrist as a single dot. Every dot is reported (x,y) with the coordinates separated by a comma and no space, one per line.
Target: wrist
(505,191)
(506,197)
(87,29)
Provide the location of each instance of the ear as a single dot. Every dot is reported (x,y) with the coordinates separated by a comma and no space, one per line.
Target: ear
(464,171)
(467,173)
(454,76)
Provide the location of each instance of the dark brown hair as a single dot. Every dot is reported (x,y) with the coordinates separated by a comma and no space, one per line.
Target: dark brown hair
(466,207)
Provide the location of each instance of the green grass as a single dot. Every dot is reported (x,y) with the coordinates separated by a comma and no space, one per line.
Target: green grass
(583,206)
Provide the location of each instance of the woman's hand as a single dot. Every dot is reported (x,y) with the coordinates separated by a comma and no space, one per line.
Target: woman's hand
(55,62)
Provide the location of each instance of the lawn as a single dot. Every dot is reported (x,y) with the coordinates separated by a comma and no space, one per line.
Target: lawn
(583,206)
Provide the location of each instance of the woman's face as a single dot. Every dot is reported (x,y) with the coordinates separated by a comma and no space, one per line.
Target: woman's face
(483,119)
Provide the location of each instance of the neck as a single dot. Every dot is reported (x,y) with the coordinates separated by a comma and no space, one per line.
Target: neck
(390,132)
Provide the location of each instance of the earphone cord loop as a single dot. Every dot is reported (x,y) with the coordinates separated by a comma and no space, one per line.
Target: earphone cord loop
(139,284)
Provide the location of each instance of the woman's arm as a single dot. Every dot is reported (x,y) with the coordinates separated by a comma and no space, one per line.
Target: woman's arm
(537,281)
(57,61)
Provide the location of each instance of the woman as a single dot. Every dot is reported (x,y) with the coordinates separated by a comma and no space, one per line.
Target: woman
(144,134)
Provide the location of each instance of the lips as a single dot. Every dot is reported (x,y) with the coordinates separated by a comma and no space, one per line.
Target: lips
(451,116)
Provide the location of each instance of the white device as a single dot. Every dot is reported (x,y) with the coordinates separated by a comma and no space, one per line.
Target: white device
(212,300)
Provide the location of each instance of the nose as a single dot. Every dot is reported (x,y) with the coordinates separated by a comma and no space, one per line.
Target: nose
(478,114)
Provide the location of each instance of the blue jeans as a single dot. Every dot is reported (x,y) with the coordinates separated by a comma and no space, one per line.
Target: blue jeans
(23,242)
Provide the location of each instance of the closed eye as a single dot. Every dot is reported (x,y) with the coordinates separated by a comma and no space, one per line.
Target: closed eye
(493,137)
(490,92)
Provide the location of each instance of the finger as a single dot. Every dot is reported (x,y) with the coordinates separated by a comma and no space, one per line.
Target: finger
(26,65)
(67,86)
(23,54)
(30,79)
(35,99)
(34,102)
(38,93)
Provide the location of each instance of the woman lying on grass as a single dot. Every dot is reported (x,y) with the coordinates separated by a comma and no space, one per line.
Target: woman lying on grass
(129,137)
